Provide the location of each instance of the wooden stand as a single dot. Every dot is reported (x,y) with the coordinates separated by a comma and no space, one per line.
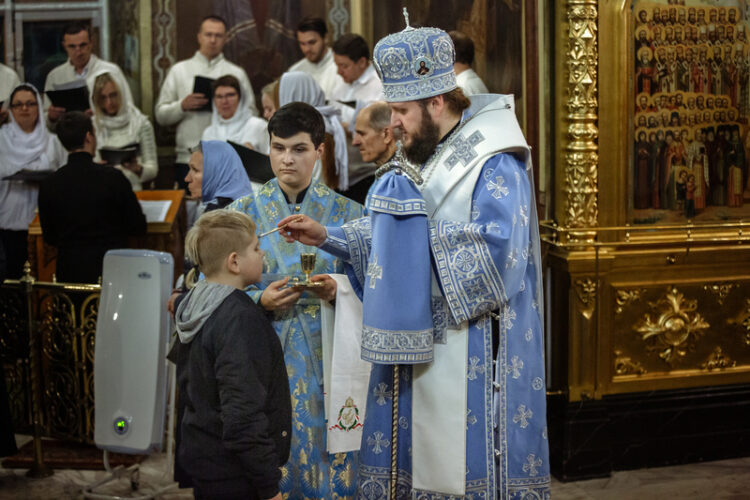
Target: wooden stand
(166,236)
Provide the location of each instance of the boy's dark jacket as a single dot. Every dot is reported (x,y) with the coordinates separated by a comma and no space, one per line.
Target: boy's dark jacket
(237,420)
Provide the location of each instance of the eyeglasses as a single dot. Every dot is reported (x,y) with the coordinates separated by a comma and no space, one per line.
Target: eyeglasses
(27,104)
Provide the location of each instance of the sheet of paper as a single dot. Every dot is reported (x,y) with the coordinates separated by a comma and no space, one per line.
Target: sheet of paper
(155,211)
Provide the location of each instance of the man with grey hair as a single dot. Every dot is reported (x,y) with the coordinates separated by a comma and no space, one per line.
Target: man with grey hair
(374,137)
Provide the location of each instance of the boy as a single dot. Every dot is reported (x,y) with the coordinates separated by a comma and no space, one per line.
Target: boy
(237,424)
(297,133)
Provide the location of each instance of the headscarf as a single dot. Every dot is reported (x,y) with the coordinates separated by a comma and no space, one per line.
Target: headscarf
(297,86)
(128,115)
(230,129)
(20,149)
(224,175)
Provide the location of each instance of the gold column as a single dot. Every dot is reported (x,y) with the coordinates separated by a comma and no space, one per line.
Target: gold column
(581,152)
(361,19)
(636,306)
(145,35)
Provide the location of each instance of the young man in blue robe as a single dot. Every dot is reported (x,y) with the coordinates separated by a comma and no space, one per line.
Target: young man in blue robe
(297,132)
(450,240)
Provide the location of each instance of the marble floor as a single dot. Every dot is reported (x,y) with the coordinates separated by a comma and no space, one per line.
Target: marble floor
(725,479)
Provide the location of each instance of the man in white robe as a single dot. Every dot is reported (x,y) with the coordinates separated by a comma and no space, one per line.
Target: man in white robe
(318,61)
(180,105)
(466,77)
(81,65)
(362,85)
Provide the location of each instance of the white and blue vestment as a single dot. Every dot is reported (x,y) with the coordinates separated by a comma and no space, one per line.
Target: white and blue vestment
(466,429)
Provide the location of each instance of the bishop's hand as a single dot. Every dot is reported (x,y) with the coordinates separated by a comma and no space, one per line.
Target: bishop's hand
(303,229)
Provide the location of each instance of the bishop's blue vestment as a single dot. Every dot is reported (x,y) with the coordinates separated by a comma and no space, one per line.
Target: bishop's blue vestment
(467,427)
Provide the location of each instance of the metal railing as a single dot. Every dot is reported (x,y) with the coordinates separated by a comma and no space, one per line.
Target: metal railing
(47,332)
(735,232)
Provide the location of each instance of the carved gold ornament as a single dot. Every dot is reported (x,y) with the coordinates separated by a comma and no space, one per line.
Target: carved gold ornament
(624,365)
(586,290)
(743,320)
(720,290)
(582,159)
(718,361)
(627,297)
(675,327)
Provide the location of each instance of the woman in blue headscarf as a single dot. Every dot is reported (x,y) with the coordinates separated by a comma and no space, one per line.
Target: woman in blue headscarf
(216,175)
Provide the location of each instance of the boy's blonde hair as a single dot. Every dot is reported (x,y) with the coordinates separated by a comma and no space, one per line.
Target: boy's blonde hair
(215,235)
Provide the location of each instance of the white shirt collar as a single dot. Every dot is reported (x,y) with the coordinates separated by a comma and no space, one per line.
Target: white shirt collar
(366,76)
(89,65)
(325,59)
(205,61)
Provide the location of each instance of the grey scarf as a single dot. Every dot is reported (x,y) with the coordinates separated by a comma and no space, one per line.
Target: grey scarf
(197,306)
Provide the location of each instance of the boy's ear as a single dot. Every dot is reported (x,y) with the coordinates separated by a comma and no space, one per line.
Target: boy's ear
(321,149)
(232,263)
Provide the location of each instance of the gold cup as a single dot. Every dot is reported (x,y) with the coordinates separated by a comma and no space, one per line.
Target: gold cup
(307,261)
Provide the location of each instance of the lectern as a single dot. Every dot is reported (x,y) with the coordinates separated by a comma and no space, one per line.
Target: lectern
(165,235)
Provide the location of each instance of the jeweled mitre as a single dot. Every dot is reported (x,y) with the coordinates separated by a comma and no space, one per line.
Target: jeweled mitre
(415,63)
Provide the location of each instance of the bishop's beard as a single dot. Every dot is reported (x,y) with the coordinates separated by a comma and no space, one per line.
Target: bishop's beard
(423,144)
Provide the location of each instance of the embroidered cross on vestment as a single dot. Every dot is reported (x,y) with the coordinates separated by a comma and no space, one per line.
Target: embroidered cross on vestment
(377,442)
(463,149)
(374,271)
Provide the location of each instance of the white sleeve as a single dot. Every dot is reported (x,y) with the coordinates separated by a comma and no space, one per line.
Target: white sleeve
(149,159)
(208,134)
(169,105)
(256,133)
(16,81)
(247,87)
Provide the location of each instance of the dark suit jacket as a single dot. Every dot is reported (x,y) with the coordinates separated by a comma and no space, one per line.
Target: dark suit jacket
(86,209)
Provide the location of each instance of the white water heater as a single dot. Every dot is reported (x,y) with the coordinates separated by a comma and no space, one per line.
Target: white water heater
(132,332)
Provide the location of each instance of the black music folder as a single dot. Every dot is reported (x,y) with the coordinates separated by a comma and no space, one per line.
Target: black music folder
(72,97)
(202,85)
(118,156)
(257,165)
